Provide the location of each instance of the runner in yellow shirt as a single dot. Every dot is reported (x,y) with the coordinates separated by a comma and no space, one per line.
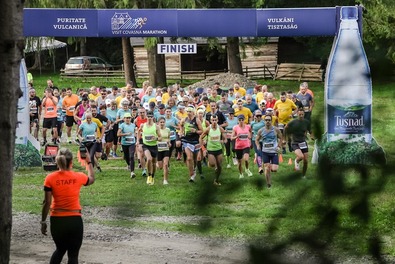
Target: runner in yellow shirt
(241,110)
(239,89)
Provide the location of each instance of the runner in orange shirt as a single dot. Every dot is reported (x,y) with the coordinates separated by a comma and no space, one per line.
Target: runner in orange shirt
(49,105)
(68,104)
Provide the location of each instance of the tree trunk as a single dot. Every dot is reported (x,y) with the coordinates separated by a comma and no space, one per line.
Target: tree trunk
(36,64)
(234,59)
(128,61)
(82,42)
(156,66)
(11,50)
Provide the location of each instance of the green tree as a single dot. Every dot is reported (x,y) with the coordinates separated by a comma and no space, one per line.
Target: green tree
(379,25)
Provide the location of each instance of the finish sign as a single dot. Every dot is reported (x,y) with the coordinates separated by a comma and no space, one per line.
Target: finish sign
(190,48)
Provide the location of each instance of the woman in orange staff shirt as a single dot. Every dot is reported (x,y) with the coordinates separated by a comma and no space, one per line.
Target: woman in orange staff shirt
(61,198)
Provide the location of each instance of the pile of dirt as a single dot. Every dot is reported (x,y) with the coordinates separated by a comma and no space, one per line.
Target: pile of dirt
(225,80)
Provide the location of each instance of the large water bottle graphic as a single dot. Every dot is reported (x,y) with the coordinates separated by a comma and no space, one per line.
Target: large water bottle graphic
(348,84)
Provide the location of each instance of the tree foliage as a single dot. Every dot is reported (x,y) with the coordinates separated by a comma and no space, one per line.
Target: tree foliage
(379,25)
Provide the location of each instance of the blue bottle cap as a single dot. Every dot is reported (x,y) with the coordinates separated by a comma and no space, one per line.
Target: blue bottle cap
(349,12)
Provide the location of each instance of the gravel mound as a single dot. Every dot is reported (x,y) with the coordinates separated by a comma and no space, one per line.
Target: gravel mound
(225,80)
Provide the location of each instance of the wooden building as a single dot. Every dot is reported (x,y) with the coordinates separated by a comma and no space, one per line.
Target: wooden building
(257,61)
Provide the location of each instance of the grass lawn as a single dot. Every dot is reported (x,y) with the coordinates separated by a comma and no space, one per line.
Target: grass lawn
(346,211)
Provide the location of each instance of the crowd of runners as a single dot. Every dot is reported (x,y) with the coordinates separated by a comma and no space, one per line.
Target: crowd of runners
(149,126)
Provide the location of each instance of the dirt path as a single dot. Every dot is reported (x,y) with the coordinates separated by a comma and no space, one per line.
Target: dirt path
(113,245)
(104,244)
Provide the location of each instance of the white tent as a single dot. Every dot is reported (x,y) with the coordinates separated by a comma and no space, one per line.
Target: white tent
(44,43)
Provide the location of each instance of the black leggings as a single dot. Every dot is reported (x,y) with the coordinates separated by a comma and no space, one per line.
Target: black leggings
(228,145)
(92,151)
(67,234)
(128,155)
(172,147)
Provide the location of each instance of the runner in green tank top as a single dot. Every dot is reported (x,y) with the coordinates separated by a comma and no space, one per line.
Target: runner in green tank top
(164,149)
(214,134)
(149,132)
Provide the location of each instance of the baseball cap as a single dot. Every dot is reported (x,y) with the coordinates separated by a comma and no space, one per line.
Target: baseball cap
(240,117)
(263,102)
(124,101)
(269,110)
(127,115)
(151,104)
(258,113)
(146,105)
(231,111)
(108,101)
(159,98)
(161,106)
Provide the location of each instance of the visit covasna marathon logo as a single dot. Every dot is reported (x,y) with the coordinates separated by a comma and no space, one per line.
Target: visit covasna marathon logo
(121,21)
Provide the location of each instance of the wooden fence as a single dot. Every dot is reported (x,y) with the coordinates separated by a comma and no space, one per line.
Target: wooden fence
(299,72)
(263,72)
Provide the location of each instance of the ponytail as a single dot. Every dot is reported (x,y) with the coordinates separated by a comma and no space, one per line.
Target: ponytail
(64,158)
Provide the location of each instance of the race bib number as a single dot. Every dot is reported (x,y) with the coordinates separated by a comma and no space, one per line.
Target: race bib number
(302,145)
(163,146)
(130,139)
(198,147)
(172,133)
(215,139)
(268,145)
(59,115)
(33,110)
(90,138)
(306,108)
(71,108)
(243,136)
(50,109)
(149,138)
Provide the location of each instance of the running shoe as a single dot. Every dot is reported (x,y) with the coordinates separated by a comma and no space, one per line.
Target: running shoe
(235,162)
(144,174)
(114,155)
(165,182)
(269,186)
(297,165)
(260,170)
(192,179)
(99,169)
(228,166)
(44,143)
(241,176)
(132,175)
(249,173)
(149,180)
(216,183)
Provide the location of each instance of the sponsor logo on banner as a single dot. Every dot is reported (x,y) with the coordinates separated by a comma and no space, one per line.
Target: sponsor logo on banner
(124,24)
